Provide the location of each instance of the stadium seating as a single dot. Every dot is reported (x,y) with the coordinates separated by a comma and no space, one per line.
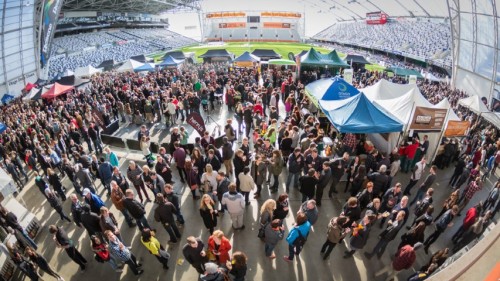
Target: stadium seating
(117,45)
(422,39)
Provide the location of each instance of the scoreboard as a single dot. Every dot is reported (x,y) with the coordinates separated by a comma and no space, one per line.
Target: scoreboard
(376,18)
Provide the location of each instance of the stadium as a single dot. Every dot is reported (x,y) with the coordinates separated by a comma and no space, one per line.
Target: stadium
(196,139)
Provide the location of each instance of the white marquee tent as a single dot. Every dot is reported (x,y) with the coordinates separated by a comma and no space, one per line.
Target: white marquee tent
(129,65)
(88,70)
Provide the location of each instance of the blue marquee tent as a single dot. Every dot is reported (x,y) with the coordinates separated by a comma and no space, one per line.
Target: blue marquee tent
(145,67)
(359,115)
(170,61)
(334,88)
(7,98)
(246,56)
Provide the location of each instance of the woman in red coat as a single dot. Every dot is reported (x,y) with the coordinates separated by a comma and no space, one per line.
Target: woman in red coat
(219,247)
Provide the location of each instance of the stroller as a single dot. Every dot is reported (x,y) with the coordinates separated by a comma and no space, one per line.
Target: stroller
(150,160)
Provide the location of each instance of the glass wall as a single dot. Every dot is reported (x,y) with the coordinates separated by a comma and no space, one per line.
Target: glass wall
(17,44)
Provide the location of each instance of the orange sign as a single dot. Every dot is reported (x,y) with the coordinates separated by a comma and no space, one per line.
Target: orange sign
(280,15)
(456,128)
(226,15)
(232,25)
(276,25)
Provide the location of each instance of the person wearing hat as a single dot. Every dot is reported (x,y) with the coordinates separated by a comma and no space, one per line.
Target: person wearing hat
(404,259)
(94,201)
(212,273)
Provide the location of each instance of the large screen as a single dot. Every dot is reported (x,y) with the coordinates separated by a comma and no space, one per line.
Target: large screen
(253,19)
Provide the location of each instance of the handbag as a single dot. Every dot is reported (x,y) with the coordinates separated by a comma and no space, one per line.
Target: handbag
(164,254)
(211,256)
(262,233)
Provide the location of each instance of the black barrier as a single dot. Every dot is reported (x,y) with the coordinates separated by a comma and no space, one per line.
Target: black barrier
(133,144)
(112,141)
(112,128)
(154,147)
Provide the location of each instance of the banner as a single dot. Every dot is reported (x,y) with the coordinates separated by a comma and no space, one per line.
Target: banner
(51,9)
(348,75)
(456,128)
(428,119)
(196,121)
(412,79)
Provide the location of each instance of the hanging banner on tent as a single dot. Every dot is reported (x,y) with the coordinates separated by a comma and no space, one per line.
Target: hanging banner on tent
(348,75)
(196,121)
(456,128)
(412,79)
(51,9)
(428,119)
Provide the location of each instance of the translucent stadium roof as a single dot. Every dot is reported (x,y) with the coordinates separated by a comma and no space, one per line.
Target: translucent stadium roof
(137,6)
(343,10)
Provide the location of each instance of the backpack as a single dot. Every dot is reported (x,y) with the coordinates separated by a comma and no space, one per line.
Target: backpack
(300,241)
(422,207)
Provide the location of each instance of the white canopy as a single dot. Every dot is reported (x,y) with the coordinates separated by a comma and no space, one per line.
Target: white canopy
(402,106)
(492,117)
(130,65)
(384,89)
(430,76)
(31,94)
(88,70)
(68,72)
(475,104)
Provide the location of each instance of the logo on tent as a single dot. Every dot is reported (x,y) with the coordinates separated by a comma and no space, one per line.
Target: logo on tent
(342,87)
(423,119)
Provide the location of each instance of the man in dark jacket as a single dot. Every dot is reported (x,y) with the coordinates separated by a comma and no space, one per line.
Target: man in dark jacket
(135,209)
(324,178)
(380,181)
(295,163)
(164,213)
(222,187)
(387,235)
(227,155)
(308,185)
(339,167)
(93,132)
(90,221)
(106,174)
(94,201)
(168,193)
(194,254)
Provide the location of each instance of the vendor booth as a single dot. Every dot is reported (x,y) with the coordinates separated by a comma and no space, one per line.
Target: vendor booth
(86,71)
(326,65)
(57,90)
(246,60)
(266,54)
(170,62)
(129,65)
(329,89)
(146,67)
(221,55)
(356,61)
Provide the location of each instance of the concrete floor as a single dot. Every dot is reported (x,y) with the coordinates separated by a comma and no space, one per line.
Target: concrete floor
(309,266)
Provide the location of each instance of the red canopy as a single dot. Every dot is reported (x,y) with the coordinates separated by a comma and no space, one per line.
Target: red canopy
(29,86)
(56,91)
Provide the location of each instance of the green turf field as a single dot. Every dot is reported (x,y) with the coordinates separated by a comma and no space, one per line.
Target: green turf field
(237,48)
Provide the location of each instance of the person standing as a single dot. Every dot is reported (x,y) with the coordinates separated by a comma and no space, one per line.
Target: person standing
(360,234)
(429,180)
(122,253)
(404,259)
(56,204)
(339,167)
(237,266)
(308,184)
(324,178)
(168,193)
(149,241)
(107,221)
(387,235)
(473,187)
(310,210)
(227,155)
(297,236)
(179,155)
(234,202)
(246,184)
(94,201)
(470,218)
(258,172)
(219,247)
(441,225)
(41,262)
(273,233)
(117,198)
(10,219)
(164,213)
(416,174)
(295,165)
(193,252)
(335,233)
(119,179)
(275,168)
(55,181)
(62,241)
(208,212)
(105,171)
(134,174)
(135,209)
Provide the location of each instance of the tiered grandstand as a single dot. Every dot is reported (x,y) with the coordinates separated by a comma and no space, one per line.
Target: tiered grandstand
(253,26)
(420,39)
(72,51)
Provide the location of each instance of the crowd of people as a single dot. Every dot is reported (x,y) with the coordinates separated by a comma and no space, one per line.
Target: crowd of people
(72,51)
(279,134)
(428,40)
